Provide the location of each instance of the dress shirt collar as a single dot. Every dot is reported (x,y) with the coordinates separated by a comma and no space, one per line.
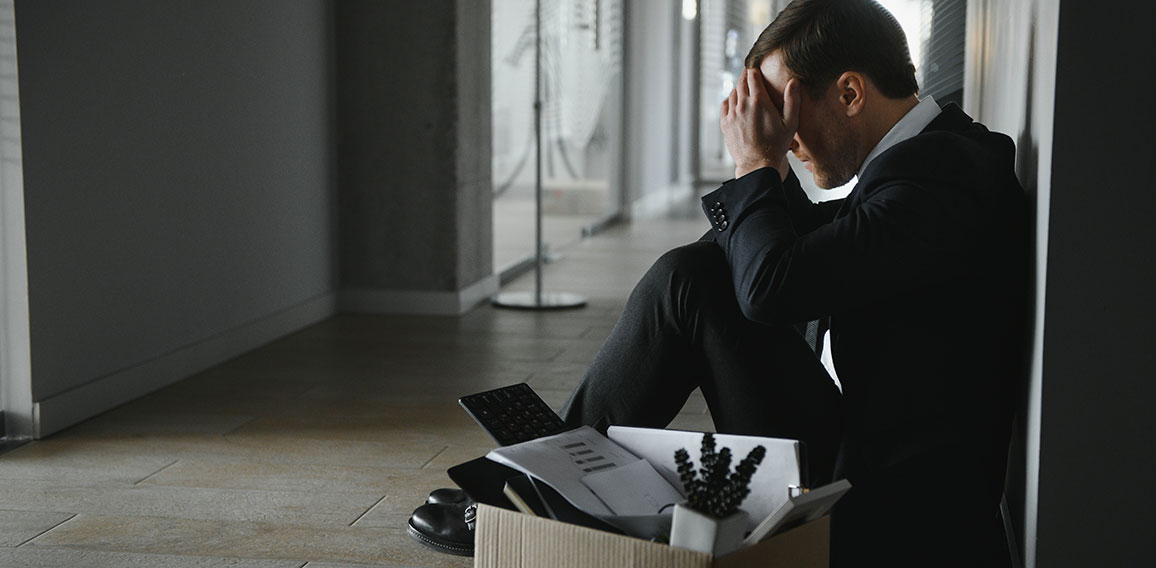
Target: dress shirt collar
(911,124)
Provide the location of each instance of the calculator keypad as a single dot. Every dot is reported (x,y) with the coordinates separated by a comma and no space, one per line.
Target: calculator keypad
(513,414)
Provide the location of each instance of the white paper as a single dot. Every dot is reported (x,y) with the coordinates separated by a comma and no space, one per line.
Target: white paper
(562,460)
(634,489)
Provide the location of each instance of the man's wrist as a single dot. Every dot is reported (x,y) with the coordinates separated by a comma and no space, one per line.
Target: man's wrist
(783,167)
(740,172)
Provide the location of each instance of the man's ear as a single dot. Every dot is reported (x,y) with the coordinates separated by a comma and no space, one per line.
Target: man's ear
(852,90)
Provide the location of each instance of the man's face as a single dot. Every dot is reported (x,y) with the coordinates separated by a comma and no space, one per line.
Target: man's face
(823,142)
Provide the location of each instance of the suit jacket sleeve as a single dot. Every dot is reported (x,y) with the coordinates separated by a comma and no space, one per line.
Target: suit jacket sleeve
(896,238)
(805,214)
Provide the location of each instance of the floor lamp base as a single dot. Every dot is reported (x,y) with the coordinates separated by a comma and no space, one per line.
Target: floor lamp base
(532,301)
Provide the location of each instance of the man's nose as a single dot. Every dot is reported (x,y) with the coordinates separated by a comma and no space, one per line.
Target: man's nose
(794,143)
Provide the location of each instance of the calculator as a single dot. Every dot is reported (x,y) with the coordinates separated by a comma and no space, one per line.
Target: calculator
(513,414)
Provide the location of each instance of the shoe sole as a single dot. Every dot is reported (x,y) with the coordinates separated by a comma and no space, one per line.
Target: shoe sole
(438,546)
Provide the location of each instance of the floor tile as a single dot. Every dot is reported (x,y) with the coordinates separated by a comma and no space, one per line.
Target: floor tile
(302,508)
(339,565)
(18,527)
(215,473)
(132,419)
(692,422)
(454,455)
(393,511)
(166,535)
(76,465)
(42,557)
(256,446)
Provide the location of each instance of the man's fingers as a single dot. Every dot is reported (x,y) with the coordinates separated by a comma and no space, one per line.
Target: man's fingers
(726,110)
(754,84)
(742,87)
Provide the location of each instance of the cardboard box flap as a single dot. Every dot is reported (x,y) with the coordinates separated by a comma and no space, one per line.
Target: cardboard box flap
(805,546)
(507,539)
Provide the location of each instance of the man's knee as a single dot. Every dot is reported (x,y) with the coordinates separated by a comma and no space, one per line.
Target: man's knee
(691,275)
(696,261)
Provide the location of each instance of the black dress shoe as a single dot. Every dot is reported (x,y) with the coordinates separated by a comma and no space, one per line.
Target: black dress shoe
(445,527)
(446,496)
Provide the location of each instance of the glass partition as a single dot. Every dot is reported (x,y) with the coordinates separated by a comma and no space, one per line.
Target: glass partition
(727,30)
(581,115)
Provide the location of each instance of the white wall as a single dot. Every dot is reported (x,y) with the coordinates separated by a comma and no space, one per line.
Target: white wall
(178,188)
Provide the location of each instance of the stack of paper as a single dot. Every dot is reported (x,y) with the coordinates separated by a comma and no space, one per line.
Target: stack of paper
(595,474)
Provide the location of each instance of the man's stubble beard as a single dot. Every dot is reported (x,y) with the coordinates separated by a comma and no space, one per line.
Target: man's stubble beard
(843,165)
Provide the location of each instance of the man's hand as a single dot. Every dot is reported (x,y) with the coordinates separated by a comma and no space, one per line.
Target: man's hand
(757,135)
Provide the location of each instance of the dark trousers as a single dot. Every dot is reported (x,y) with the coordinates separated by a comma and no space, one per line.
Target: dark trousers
(682,329)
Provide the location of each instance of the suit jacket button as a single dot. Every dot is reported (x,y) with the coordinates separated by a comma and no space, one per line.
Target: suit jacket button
(722,224)
(717,205)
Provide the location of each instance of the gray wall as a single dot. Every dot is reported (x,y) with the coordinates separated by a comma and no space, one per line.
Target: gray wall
(1099,368)
(177,174)
(652,98)
(414,144)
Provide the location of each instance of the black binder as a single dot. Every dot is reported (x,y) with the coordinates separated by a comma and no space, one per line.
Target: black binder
(484,479)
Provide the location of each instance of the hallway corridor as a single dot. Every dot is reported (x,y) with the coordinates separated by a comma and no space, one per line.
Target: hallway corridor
(314,449)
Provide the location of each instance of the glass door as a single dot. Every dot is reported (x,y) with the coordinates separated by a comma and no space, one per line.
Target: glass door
(580,82)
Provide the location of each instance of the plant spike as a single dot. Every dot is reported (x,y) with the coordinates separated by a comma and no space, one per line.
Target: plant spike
(713,489)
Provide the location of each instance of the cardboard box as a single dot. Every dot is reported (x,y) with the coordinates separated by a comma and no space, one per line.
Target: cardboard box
(508,539)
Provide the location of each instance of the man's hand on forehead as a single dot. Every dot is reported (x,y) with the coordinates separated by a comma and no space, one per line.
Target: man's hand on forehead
(756,132)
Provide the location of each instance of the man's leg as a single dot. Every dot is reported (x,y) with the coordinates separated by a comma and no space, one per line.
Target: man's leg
(682,329)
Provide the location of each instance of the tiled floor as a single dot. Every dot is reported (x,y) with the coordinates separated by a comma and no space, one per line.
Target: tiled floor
(313,450)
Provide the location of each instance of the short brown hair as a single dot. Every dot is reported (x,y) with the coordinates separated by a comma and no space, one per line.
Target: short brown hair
(821,39)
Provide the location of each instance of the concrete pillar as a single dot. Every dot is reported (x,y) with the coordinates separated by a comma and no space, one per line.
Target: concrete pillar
(413,152)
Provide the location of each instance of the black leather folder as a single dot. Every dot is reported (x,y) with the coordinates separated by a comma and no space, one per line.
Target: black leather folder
(484,480)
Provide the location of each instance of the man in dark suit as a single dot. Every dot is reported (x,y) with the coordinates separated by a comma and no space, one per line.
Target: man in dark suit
(920,275)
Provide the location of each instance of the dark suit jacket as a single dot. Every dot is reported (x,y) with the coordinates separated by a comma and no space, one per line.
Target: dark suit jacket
(922,271)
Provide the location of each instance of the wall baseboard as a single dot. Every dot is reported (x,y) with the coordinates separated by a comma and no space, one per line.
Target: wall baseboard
(81,403)
(368,301)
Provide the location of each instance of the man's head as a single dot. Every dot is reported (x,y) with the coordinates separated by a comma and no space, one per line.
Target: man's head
(852,61)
